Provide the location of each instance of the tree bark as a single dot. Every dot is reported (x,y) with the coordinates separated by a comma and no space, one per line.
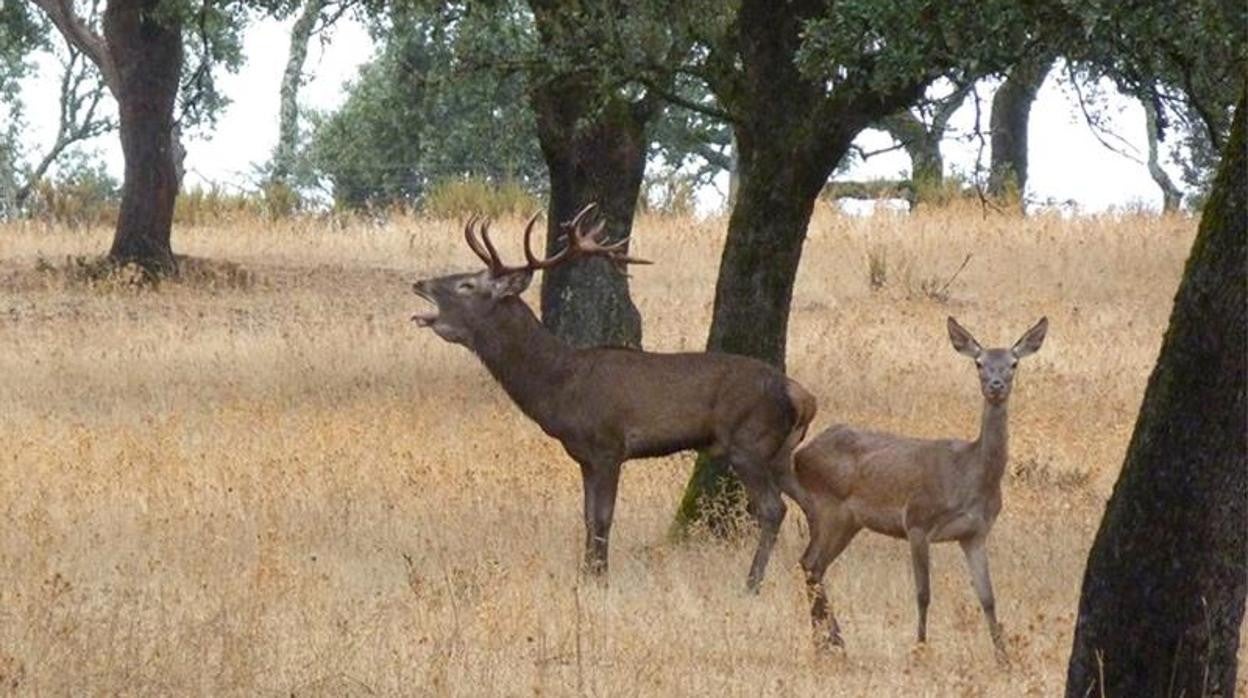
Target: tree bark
(1171,197)
(595,150)
(146,47)
(1011,112)
(1163,593)
(292,80)
(791,134)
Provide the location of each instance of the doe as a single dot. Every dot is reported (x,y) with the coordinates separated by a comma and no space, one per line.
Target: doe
(921,490)
(608,405)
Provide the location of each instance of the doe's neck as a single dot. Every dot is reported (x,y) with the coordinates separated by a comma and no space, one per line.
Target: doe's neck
(993,444)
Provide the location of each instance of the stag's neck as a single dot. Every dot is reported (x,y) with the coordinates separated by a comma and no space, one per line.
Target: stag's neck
(525,358)
(992,447)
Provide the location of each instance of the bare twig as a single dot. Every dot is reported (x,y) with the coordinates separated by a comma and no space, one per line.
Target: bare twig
(1095,128)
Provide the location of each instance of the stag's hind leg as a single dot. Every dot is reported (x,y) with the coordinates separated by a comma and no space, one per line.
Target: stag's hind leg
(767,507)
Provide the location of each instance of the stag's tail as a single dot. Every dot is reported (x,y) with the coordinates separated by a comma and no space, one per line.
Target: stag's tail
(801,408)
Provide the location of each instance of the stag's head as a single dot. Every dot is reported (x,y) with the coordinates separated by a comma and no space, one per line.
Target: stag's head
(996,366)
(464,304)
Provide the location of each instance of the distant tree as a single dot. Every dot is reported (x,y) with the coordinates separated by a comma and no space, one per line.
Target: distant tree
(1164,589)
(139,50)
(418,113)
(313,18)
(1171,196)
(1185,58)
(593,131)
(21,33)
(1009,123)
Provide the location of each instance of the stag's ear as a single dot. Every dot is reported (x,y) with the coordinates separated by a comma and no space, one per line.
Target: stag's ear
(962,340)
(1031,339)
(511,284)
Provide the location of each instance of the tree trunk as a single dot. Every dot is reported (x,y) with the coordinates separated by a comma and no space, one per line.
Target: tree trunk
(790,135)
(1163,593)
(1011,111)
(145,46)
(927,164)
(292,80)
(592,157)
(1171,197)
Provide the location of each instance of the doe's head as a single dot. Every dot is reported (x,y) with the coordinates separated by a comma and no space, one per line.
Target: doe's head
(464,304)
(996,366)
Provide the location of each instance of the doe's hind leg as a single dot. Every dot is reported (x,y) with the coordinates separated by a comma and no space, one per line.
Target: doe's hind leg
(830,534)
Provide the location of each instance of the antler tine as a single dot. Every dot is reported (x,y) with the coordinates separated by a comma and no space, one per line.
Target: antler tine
(532,259)
(496,262)
(580,215)
(590,243)
(471,238)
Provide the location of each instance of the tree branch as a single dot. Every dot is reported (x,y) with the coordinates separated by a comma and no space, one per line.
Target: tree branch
(696,107)
(80,35)
(1094,128)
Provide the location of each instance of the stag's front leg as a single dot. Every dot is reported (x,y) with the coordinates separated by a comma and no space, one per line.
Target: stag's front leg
(600,483)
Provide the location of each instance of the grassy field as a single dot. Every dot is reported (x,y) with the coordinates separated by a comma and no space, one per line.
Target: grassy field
(268,481)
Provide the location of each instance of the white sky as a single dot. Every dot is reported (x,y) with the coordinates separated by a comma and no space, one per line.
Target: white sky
(1066,161)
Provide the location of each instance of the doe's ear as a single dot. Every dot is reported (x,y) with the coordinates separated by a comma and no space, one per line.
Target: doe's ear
(511,284)
(1031,339)
(962,340)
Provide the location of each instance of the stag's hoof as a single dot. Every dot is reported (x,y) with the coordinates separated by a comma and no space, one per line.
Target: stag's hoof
(825,644)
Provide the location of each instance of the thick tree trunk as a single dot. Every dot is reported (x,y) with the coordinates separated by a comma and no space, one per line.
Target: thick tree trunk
(1163,593)
(791,135)
(1011,112)
(292,80)
(1171,197)
(592,157)
(145,46)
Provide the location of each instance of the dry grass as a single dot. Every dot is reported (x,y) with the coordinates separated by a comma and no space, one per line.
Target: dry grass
(282,486)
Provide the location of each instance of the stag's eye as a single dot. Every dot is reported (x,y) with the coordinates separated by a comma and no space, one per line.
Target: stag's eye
(1014,364)
(465,286)
(979,363)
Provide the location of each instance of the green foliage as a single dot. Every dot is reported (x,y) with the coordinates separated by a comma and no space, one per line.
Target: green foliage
(461,197)
(1188,59)
(418,114)
(904,41)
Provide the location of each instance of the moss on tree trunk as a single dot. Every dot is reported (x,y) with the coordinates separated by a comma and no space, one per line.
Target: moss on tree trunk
(1163,593)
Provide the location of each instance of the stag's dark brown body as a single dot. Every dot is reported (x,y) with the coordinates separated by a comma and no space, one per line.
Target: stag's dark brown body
(610,405)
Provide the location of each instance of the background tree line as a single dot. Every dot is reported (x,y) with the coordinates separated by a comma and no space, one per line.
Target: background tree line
(573,98)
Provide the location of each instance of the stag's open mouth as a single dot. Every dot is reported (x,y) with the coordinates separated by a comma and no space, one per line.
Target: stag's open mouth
(428,317)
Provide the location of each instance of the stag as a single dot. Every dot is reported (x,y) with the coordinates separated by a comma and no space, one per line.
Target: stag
(608,405)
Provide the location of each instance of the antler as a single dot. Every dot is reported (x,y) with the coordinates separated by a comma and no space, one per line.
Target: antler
(581,243)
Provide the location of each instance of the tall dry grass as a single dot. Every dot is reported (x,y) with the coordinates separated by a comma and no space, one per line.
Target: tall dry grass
(281,486)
